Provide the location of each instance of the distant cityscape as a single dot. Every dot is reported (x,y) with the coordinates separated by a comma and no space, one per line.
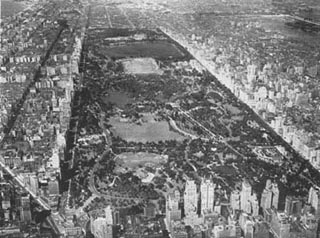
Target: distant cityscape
(156,119)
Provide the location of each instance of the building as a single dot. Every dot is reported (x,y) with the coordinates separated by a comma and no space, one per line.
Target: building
(248,229)
(173,213)
(149,210)
(25,212)
(109,215)
(100,228)
(235,200)
(245,197)
(53,187)
(275,195)
(25,202)
(314,200)
(254,205)
(191,205)
(293,206)
(261,229)
(226,231)
(280,225)
(74,232)
(178,230)
(116,217)
(190,198)
(309,225)
(207,195)
(252,72)
(266,196)
(270,196)
(253,227)
(31,180)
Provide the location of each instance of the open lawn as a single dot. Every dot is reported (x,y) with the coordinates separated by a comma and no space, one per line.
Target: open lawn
(149,130)
(153,49)
(141,66)
(132,161)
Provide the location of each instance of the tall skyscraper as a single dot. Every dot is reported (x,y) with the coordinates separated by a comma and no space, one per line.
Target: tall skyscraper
(254,205)
(275,194)
(284,229)
(53,187)
(314,200)
(100,228)
(266,199)
(235,200)
(280,224)
(248,229)
(173,213)
(173,200)
(109,215)
(25,212)
(293,206)
(31,180)
(251,72)
(190,198)
(207,196)
(270,196)
(149,210)
(116,217)
(245,194)
(289,204)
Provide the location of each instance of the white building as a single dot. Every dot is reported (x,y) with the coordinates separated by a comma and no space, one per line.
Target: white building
(173,213)
(235,200)
(245,201)
(314,199)
(270,196)
(109,215)
(255,205)
(100,228)
(266,197)
(190,198)
(275,194)
(251,72)
(207,195)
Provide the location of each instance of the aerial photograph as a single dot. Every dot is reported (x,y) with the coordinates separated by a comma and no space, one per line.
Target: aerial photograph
(160,119)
